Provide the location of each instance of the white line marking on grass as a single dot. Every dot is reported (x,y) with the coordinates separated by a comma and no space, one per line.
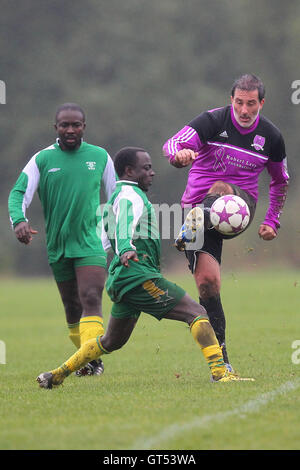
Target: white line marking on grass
(249,407)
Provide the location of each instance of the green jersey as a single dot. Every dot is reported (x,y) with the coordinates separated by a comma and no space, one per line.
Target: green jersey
(129,224)
(68,184)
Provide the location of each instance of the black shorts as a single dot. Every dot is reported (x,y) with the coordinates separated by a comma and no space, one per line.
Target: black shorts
(213,240)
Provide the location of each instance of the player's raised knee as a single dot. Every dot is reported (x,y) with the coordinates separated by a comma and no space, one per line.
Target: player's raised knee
(220,187)
(209,287)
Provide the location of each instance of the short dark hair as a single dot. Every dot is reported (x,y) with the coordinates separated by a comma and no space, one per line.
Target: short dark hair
(249,82)
(73,106)
(127,156)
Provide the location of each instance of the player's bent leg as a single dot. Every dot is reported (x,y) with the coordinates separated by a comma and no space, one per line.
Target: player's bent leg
(207,276)
(204,336)
(186,310)
(208,280)
(195,316)
(220,188)
(118,333)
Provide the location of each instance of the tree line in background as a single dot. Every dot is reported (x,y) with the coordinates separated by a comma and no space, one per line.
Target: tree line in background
(142,70)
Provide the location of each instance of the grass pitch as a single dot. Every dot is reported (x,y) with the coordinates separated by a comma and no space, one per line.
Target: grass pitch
(155,392)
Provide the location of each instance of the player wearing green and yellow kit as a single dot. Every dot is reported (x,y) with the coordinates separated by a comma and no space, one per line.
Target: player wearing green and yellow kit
(68,176)
(135,283)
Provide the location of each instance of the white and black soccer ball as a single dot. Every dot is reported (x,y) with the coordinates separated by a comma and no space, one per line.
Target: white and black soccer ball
(230,214)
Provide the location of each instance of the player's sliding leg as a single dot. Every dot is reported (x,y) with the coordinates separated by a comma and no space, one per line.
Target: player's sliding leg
(204,336)
(203,332)
(91,350)
(117,334)
(195,315)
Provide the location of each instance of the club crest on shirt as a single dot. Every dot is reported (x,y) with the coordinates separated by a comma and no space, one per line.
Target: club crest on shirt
(91,165)
(258,142)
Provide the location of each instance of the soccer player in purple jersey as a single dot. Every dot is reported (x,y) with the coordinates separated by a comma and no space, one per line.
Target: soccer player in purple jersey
(227,149)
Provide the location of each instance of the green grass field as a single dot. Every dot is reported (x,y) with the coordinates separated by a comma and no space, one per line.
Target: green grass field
(155,392)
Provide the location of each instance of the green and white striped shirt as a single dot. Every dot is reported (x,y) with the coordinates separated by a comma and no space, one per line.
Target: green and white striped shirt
(68,184)
(129,224)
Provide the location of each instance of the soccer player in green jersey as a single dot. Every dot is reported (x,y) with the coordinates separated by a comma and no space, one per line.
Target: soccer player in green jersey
(135,283)
(68,176)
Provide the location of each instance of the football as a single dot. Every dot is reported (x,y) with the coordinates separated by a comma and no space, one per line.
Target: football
(229,214)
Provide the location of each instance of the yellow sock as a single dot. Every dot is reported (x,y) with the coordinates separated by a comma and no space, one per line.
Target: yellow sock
(74,334)
(90,327)
(205,337)
(89,351)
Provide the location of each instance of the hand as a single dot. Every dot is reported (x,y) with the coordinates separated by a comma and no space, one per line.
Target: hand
(266,232)
(127,256)
(24,232)
(185,157)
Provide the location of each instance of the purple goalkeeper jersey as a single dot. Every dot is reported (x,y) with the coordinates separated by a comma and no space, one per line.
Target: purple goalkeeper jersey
(233,154)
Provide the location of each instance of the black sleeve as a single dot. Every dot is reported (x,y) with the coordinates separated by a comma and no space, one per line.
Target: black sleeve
(278,149)
(209,123)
